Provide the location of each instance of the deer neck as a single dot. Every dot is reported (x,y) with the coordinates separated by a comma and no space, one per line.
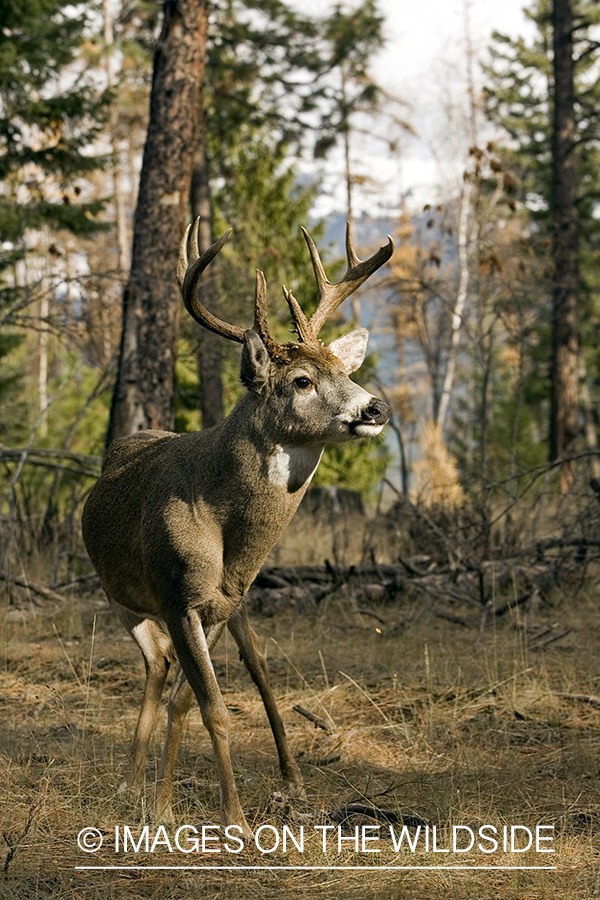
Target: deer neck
(268,463)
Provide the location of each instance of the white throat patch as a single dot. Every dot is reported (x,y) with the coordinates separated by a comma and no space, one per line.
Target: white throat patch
(291,467)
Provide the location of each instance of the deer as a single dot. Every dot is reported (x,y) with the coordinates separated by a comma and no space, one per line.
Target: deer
(177,526)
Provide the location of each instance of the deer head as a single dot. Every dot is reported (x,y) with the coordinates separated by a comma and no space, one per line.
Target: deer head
(304,379)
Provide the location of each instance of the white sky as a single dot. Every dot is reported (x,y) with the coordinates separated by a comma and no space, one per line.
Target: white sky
(424,62)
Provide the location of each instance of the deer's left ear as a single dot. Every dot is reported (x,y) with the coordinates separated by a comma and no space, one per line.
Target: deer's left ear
(350,349)
(255,364)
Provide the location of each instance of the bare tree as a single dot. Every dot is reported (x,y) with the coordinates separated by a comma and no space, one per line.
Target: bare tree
(144,391)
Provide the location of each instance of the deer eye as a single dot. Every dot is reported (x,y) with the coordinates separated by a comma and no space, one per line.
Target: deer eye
(302,382)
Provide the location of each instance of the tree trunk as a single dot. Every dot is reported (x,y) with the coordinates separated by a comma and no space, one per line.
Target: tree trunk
(144,392)
(565,324)
(210,364)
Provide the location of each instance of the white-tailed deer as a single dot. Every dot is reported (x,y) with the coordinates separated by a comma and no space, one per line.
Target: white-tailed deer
(178,525)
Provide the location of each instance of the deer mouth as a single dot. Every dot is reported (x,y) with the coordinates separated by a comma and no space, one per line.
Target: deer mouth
(365,428)
(372,419)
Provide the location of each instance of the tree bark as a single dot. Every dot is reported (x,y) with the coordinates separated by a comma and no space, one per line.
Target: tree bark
(210,363)
(144,391)
(565,321)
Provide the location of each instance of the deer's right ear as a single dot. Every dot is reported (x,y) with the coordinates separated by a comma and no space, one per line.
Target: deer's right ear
(255,362)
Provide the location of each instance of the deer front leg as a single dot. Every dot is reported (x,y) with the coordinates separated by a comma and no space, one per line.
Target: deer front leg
(193,653)
(256,663)
(180,702)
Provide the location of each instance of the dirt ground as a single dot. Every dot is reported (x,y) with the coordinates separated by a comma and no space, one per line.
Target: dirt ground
(420,724)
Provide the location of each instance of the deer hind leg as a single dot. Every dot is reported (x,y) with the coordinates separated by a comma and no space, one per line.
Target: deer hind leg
(180,702)
(193,653)
(157,649)
(256,663)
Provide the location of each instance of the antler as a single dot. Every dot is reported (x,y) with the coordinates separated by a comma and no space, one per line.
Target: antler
(189,270)
(331,295)
(190,267)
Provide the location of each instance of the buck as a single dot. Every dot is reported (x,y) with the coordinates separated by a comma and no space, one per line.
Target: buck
(178,525)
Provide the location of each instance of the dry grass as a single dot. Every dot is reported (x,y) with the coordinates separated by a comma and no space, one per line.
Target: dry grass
(421,725)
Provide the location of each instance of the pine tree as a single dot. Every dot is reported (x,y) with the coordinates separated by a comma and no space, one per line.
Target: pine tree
(50,114)
(528,94)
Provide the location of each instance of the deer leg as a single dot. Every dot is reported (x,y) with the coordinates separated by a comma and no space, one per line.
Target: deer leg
(256,663)
(157,650)
(180,701)
(193,653)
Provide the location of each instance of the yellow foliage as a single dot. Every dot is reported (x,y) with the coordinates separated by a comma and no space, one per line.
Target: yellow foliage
(435,473)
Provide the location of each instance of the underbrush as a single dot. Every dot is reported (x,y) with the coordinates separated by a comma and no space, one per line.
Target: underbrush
(419,724)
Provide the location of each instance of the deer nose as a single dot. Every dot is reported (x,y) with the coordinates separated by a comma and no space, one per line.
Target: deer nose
(377,411)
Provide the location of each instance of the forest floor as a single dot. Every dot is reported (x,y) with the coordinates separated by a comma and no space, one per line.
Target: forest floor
(421,724)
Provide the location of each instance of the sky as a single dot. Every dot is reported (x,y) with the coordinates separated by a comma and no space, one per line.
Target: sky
(424,62)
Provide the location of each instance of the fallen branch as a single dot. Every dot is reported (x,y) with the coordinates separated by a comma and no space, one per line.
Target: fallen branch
(312,717)
(13,841)
(328,761)
(373,812)
(512,604)
(367,612)
(40,589)
(450,617)
(541,645)
(582,698)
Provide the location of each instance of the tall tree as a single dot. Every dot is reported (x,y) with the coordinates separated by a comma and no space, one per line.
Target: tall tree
(565,305)
(144,391)
(50,110)
(546,93)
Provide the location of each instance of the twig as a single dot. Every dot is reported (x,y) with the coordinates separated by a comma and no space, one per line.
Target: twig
(373,812)
(541,645)
(367,612)
(312,717)
(324,762)
(13,842)
(484,616)
(539,633)
(582,698)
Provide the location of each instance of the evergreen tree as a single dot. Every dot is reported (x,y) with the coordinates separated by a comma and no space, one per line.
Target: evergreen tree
(50,114)
(523,85)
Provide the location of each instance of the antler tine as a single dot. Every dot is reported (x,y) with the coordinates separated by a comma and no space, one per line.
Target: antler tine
(301,326)
(182,262)
(260,307)
(332,295)
(188,274)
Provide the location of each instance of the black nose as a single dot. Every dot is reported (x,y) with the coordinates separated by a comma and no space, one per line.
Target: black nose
(377,411)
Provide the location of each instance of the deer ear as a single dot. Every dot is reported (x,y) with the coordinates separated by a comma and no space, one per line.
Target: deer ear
(350,349)
(255,361)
